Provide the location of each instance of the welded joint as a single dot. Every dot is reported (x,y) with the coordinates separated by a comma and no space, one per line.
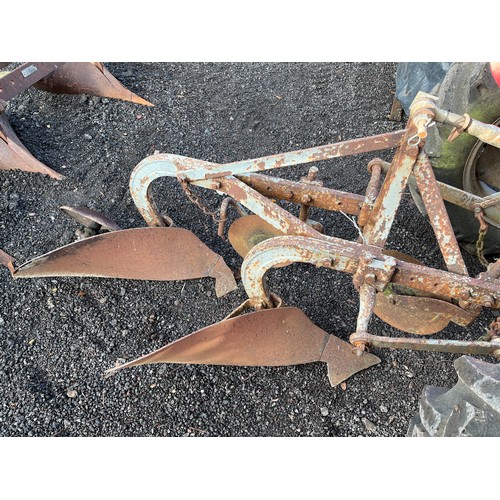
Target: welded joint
(374,271)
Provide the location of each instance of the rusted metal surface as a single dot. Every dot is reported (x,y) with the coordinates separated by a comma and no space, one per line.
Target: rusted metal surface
(488,205)
(482,168)
(7,261)
(226,203)
(473,291)
(366,304)
(396,113)
(490,134)
(301,156)
(367,296)
(311,178)
(451,346)
(200,172)
(463,199)
(152,168)
(91,219)
(382,216)
(275,215)
(422,111)
(164,254)
(346,256)
(194,170)
(293,191)
(14,156)
(490,201)
(68,78)
(23,77)
(273,237)
(372,191)
(493,270)
(273,337)
(372,271)
(91,78)
(419,315)
(438,216)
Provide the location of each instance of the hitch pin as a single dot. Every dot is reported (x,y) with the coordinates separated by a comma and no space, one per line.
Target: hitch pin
(422,127)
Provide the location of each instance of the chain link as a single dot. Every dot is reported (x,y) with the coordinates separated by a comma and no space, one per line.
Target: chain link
(483,229)
(195,200)
(493,331)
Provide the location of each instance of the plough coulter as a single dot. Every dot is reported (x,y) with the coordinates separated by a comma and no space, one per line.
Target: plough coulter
(262,331)
(91,78)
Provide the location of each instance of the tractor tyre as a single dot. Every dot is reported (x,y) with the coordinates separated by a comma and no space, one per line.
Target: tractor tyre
(470,408)
(466,162)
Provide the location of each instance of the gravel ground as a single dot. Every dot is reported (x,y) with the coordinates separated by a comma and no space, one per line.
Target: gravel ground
(57,336)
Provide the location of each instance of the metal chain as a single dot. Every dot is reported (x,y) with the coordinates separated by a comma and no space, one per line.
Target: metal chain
(194,199)
(480,248)
(483,228)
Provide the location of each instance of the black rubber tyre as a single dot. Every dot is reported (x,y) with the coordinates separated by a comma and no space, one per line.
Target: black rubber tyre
(470,408)
(467,163)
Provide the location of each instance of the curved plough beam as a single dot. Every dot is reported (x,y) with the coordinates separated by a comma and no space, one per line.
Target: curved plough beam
(152,168)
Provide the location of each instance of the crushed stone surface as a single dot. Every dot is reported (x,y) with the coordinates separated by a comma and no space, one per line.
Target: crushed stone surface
(59,335)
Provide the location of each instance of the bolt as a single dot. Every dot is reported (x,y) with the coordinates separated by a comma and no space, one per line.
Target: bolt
(376,162)
(312,174)
(496,354)
(359,347)
(305,199)
(370,278)
(487,301)
(217,185)
(326,262)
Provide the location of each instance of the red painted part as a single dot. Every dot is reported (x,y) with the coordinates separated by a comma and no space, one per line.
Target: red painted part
(495,71)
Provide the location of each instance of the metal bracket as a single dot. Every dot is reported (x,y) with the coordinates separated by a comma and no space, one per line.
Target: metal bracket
(374,271)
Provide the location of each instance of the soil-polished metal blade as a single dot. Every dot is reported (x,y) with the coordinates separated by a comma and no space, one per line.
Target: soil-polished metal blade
(152,253)
(419,315)
(7,261)
(416,312)
(14,156)
(91,219)
(272,337)
(91,78)
(248,231)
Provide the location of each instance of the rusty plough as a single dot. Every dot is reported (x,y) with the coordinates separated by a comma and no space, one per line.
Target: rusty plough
(60,78)
(404,293)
